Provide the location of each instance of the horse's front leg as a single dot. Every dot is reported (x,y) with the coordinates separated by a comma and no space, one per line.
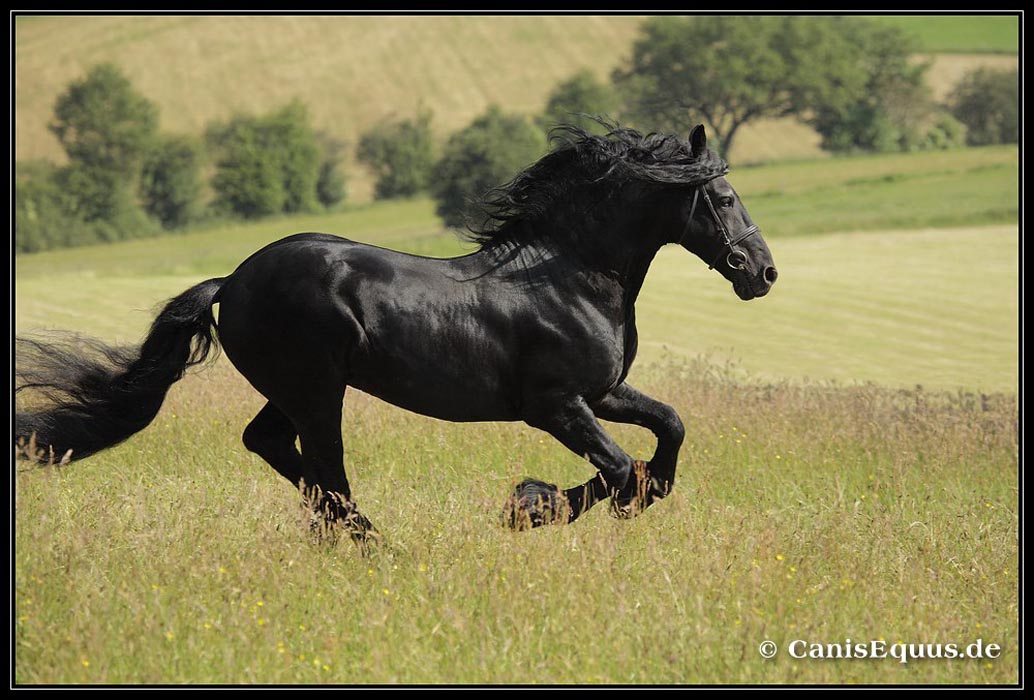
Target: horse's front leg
(628,405)
(573,423)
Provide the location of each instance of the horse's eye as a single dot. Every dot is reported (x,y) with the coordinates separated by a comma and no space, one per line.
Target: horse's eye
(725,202)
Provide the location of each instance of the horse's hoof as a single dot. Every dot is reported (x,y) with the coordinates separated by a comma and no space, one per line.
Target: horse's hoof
(636,496)
(337,517)
(533,504)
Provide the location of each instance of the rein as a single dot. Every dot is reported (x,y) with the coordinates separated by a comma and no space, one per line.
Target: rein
(730,243)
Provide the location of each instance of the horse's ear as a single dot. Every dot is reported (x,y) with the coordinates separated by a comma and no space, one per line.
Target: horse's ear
(698,140)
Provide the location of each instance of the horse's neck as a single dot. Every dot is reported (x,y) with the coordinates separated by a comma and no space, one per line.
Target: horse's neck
(635,274)
(617,275)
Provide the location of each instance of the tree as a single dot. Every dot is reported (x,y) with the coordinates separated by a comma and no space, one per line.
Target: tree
(725,70)
(581,94)
(107,129)
(170,181)
(400,154)
(247,181)
(890,108)
(485,154)
(93,194)
(731,70)
(103,123)
(987,101)
(288,134)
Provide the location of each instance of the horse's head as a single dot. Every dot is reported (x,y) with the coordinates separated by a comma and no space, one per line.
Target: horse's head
(719,230)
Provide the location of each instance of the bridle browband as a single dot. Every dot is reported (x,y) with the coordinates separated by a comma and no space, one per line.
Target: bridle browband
(730,243)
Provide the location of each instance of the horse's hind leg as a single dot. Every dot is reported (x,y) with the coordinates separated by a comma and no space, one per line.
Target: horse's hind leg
(271,436)
(320,473)
(319,427)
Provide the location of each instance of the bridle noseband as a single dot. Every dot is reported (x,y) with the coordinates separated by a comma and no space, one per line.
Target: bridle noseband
(730,243)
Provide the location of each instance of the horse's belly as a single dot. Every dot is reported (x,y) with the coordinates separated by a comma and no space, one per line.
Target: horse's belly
(436,393)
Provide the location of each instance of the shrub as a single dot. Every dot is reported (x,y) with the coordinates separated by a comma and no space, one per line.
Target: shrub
(266,165)
(72,206)
(987,101)
(401,156)
(483,155)
(41,215)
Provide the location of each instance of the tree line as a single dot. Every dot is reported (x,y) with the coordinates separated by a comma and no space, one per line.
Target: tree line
(854,81)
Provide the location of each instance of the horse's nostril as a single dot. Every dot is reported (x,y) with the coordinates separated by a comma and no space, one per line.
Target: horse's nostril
(770,275)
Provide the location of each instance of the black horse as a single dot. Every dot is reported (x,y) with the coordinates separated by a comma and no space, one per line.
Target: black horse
(537,325)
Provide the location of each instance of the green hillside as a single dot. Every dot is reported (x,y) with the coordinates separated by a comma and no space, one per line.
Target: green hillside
(355,71)
(351,71)
(961,33)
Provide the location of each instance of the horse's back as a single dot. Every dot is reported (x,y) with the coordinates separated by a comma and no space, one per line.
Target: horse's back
(417,332)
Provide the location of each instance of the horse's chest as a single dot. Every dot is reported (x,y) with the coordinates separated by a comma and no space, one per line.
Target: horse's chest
(608,351)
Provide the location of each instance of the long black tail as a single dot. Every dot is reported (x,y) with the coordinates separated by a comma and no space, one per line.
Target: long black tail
(87,396)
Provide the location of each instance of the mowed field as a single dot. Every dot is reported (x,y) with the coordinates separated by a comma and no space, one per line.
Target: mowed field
(822,498)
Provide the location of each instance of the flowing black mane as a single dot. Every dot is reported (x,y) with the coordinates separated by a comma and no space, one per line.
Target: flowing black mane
(581,170)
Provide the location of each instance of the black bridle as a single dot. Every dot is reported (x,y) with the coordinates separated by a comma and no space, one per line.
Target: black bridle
(730,243)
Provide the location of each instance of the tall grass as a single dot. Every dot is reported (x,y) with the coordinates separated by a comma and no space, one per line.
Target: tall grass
(801,512)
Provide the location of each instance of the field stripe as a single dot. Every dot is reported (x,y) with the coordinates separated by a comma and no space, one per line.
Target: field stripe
(894,308)
(933,307)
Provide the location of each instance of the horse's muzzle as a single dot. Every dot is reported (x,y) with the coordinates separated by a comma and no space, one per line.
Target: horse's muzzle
(759,286)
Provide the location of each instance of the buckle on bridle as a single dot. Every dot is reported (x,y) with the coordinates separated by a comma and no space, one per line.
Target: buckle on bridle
(729,250)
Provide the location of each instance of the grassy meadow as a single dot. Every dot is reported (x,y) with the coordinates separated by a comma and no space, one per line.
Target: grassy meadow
(850,470)
(822,495)
(802,512)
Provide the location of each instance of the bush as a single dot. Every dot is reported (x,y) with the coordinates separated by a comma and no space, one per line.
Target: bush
(266,165)
(987,101)
(103,199)
(247,181)
(41,215)
(331,184)
(943,132)
(288,132)
(485,154)
(73,206)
